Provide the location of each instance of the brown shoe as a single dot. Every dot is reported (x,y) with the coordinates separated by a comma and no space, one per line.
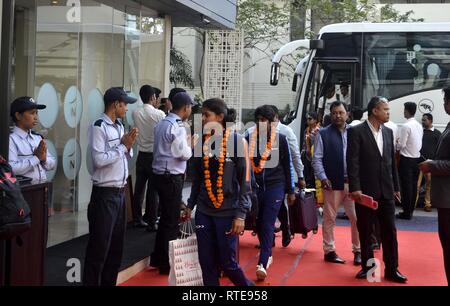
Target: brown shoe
(428,209)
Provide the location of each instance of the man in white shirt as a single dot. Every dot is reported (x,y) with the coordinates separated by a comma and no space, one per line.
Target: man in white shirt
(345,93)
(409,145)
(357,115)
(146,119)
(325,102)
(394,129)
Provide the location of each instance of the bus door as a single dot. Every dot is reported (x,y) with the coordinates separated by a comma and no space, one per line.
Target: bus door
(326,85)
(330,79)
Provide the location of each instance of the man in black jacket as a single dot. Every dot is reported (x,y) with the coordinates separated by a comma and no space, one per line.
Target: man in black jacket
(440,193)
(429,145)
(372,171)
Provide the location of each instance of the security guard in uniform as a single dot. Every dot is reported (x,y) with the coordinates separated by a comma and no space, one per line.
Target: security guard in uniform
(172,149)
(28,153)
(111,148)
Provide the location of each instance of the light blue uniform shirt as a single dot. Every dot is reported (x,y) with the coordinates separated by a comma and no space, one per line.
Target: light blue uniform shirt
(110,157)
(22,159)
(171,150)
(293,146)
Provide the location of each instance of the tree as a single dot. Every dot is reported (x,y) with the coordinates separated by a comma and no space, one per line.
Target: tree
(265,27)
(389,14)
(180,69)
(200,35)
(267,24)
(318,13)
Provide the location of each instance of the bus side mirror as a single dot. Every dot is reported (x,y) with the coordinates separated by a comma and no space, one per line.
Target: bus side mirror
(295,82)
(317,44)
(274,74)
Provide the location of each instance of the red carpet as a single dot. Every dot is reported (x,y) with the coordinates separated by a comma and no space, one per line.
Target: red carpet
(302,264)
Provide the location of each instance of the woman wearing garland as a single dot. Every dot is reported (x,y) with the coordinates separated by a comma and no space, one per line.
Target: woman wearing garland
(274,175)
(221,192)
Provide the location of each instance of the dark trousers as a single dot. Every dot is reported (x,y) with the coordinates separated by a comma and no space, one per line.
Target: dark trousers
(144,177)
(283,216)
(269,202)
(366,217)
(444,236)
(376,236)
(409,174)
(217,251)
(170,188)
(308,172)
(107,223)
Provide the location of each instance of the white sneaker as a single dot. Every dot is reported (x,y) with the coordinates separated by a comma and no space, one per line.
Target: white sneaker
(269,262)
(261,273)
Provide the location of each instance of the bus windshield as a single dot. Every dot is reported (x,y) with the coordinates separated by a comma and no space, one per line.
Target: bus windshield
(400,64)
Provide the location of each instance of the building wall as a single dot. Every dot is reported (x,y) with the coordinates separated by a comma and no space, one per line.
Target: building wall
(190,42)
(431,12)
(223,11)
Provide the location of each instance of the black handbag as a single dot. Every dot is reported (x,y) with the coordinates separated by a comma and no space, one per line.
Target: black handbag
(15,213)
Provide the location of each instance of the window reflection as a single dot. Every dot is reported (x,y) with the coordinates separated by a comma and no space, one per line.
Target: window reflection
(399,64)
(79,52)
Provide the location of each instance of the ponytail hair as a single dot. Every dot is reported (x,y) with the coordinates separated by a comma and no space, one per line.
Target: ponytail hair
(218,107)
(231,116)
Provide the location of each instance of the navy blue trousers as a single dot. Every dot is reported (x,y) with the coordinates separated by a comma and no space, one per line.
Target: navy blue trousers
(217,251)
(269,201)
(145,177)
(107,224)
(170,192)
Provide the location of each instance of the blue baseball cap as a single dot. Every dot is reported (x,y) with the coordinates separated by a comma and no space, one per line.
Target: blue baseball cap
(118,94)
(181,99)
(24,104)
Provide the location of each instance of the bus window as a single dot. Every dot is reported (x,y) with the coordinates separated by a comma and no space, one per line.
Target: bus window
(313,89)
(329,82)
(400,64)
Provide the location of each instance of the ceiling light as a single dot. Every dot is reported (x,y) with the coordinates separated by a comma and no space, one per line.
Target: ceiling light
(205,20)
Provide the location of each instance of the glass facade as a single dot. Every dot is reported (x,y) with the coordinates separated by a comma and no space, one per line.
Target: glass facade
(66,54)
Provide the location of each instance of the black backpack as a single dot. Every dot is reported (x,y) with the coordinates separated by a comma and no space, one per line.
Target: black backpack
(15,214)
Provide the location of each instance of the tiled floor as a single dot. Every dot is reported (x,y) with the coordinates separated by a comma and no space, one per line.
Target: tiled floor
(67,226)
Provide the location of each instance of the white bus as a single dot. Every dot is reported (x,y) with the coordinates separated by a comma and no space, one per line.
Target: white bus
(404,62)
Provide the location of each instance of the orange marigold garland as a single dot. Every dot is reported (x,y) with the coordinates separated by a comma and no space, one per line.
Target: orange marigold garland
(266,153)
(217,201)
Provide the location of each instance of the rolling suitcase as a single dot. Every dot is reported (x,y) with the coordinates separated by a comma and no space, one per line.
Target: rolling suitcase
(303,214)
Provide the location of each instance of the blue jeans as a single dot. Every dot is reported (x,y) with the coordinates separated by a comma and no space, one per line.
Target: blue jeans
(217,251)
(269,202)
